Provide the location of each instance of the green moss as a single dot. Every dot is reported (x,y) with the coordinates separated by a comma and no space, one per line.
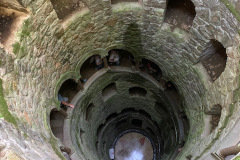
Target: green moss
(19,50)
(25,31)
(237,158)
(22,52)
(16,48)
(4,108)
(25,135)
(232,9)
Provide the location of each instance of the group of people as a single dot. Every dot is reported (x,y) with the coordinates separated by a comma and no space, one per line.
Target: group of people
(98,61)
(114,59)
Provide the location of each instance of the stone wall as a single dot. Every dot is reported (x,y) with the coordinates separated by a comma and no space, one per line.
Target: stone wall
(45,55)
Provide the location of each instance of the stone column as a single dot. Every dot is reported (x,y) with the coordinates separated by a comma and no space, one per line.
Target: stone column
(105,62)
(137,66)
(80,85)
(64,113)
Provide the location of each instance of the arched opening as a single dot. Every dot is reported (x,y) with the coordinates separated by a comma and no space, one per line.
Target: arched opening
(6,22)
(186,126)
(91,66)
(172,90)
(136,123)
(121,123)
(66,8)
(66,93)
(56,123)
(128,110)
(82,133)
(150,131)
(137,91)
(111,116)
(109,91)
(214,59)
(151,68)
(119,57)
(10,21)
(142,112)
(66,152)
(99,129)
(180,14)
(89,111)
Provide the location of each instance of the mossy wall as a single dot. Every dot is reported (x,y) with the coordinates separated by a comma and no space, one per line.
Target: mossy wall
(4,108)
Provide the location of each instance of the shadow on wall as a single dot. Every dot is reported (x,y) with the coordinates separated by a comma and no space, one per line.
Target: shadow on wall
(132,38)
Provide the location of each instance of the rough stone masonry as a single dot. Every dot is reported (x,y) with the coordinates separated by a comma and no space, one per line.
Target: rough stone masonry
(45,42)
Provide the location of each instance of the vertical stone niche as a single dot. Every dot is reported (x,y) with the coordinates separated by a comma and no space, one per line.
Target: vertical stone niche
(89,111)
(180,14)
(214,59)
(66,8)
(56,123)
(10,21)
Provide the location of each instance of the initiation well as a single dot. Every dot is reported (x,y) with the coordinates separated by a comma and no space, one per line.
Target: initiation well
(186,106)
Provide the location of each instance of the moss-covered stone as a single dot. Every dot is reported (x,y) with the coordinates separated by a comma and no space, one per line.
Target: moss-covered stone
(232,9)
(25,31)
(4,108)
(22,52)
(16,48)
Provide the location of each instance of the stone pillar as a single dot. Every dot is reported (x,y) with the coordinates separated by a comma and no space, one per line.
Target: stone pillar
(105,62)
(137,65)
(64,113)
(80,85)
